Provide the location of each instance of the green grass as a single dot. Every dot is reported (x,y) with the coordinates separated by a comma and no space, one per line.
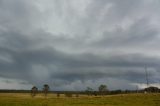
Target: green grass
(15,99)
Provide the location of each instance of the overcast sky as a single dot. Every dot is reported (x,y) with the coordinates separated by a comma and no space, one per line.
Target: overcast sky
(73,44)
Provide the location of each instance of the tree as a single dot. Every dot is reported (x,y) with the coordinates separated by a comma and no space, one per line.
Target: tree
(102,89)
(89,91)
(45,89)
(34,91)
(152,89)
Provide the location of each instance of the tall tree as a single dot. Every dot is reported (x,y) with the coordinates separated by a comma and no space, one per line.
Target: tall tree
(45,89)
(102,89)
(34,91)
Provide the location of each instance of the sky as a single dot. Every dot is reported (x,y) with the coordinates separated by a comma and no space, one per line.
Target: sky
(74,44)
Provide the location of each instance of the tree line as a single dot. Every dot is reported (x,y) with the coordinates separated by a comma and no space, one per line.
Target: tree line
(102,90)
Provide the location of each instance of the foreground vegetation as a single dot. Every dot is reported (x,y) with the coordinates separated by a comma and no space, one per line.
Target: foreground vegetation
(25,99)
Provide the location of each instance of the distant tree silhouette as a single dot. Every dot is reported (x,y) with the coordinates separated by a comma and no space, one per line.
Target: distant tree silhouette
(34,91)
(89,91)
(102,89)
(45,89)
(151,89)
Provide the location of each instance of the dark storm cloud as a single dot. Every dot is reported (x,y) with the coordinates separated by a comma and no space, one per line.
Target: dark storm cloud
(74,44)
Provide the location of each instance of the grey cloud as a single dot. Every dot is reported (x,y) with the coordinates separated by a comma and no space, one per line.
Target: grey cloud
(139,34)
(70,47)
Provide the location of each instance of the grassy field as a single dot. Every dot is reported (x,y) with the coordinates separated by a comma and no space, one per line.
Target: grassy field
(17,99)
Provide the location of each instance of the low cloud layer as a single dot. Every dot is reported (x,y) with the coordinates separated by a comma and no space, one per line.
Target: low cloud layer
(74,44)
